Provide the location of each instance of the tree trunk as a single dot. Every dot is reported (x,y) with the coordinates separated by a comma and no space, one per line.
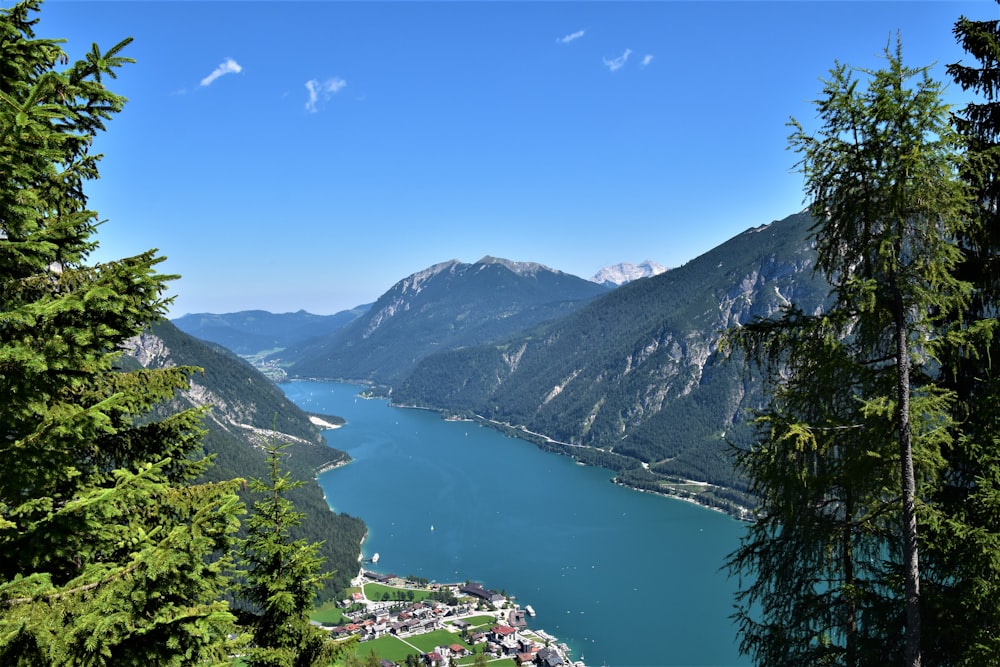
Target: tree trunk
(851,621)
(911,560)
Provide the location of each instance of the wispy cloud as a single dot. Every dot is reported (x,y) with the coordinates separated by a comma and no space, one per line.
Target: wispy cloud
(566,39)
(616,64)
(229,66)
(320,91)
(648,58)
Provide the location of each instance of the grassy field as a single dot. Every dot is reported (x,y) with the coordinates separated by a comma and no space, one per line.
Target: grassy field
(328,614)
(477,623)
(376,591)
(428,641)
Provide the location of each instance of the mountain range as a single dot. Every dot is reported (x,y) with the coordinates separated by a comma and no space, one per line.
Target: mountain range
(449,305)
(250,332)
(630,378)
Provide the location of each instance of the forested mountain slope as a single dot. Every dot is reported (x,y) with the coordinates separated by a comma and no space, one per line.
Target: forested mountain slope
(249,412)
(251,331)
(637,376)
(446,306)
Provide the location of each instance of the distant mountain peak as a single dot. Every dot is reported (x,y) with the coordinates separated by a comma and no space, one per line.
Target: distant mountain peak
(520,268)
(626,272)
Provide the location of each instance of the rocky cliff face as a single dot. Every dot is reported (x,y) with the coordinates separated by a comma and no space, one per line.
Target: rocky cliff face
(233,409)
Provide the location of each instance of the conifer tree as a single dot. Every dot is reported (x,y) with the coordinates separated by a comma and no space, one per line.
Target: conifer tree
(851,445)
(282,577)
(105,544)
(962,546)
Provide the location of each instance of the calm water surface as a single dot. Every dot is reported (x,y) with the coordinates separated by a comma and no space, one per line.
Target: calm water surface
(624,578)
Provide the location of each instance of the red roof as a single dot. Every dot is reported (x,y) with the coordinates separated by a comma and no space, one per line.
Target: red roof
(504,630)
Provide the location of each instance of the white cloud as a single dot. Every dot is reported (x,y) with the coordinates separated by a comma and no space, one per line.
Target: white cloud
(322,89)
(566,39)
(230,66)
(648,58)
(616,64)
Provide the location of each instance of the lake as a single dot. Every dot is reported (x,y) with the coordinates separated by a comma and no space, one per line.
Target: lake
(623,578)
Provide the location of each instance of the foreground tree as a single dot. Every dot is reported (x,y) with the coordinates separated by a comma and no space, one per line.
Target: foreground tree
(282,577)
(853,440)
(963,569)
(105,545)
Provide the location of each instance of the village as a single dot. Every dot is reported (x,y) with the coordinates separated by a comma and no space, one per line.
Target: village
(462,620)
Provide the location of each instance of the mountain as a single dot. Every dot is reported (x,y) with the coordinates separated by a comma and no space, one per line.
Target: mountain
(634,380)
(249,332)
(446,306)
(619,274)
(248,412)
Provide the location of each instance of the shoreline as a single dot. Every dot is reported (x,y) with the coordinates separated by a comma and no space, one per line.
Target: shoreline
(741,513)
(373,391)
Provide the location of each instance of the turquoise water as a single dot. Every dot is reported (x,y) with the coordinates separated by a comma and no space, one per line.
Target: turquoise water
(624,578)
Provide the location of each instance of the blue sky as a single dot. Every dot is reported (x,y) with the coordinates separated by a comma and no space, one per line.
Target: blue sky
(288,156)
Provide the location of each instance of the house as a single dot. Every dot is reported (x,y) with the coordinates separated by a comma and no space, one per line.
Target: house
(516,619)
(548,657)
(458,650)
(434,659)
(501,632)
(509,646)
(477,591)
